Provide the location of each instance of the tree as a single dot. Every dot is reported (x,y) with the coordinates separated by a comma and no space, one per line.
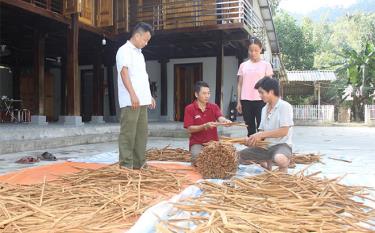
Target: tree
(359,69)
(348,31)
(274,5)
(297,50)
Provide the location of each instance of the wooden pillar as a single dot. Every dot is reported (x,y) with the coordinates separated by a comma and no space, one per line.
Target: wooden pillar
(16,71)
(164,87)
(219,71)
(73,81)
(98,85)
(111,91)
(39,48)
(318,94)
(63,110)
(48,4)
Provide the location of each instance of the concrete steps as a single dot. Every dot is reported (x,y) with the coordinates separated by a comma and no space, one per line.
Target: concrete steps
(26,137)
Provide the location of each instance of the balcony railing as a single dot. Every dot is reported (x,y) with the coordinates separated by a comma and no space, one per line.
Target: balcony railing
(174,14)
(52,5)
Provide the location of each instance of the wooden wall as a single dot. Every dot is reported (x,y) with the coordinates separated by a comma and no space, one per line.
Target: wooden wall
(94,12)
(182,13)
(27,93)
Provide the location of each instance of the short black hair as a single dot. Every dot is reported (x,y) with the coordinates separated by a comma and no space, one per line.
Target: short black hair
(268,84)
(142,27)
(255,40)
(198,85)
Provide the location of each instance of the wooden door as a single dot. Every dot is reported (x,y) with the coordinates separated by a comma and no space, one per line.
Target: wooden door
(186,75)
(49,96)
(105,13)
(87,77)
(27,91)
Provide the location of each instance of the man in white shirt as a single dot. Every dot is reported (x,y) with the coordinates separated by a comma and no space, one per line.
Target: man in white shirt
(134,97)
(276,128)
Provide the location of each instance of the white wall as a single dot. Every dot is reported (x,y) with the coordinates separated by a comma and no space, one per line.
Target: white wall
(256,8)
(153,70)
(230,81)
(267,46)
(209,76)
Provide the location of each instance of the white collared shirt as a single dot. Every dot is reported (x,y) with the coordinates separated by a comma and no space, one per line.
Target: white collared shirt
(131,57)
(280,116)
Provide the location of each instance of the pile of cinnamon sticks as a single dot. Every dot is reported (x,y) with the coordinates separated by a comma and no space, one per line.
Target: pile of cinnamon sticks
(103,200)
(168,154)
(273,202)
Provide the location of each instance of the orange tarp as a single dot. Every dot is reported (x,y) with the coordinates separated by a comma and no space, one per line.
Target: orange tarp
(36,175)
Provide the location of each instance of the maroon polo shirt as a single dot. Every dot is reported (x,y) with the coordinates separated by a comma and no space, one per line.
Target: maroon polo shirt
(195,116)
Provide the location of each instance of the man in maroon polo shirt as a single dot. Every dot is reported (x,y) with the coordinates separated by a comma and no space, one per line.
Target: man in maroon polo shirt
(201,118)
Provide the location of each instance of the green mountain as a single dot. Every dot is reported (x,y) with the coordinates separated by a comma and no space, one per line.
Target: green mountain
(333,13)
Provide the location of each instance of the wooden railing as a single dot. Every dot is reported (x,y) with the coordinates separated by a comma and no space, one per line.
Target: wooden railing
(323,113)
(52,5)
(173,14)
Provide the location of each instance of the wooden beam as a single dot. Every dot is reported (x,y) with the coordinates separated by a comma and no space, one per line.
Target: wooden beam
(73,81)
(38,66)
(96,30)
(111,90)
(163,87)
(98,85)
(219,71)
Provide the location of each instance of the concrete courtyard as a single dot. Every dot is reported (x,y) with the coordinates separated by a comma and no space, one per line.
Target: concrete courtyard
(356,144)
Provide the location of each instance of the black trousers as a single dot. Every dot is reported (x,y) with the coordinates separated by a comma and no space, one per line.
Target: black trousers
(252,112)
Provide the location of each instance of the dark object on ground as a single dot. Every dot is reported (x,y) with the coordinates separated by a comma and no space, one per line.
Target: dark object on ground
(27,159)
(46,156)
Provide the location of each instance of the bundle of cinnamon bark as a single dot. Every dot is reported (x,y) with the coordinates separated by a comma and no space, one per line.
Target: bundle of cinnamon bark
(217,160)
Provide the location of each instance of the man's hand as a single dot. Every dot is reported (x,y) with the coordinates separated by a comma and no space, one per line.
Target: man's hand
(226,121)
(135,101)
(253,139)
(210,125)
(223,121)
(239,107)
(153,104)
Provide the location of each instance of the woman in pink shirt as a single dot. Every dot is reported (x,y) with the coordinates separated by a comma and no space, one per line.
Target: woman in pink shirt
(250,72)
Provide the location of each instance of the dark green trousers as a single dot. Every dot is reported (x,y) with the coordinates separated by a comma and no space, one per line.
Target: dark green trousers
(133,137)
